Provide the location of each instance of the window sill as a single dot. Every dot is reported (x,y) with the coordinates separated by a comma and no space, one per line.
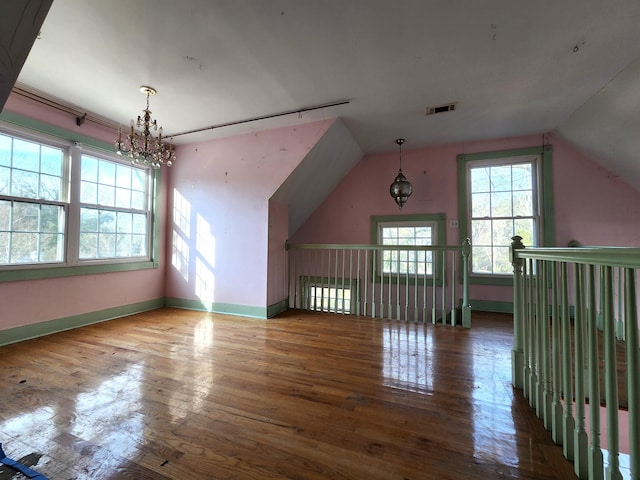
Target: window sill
(38,273)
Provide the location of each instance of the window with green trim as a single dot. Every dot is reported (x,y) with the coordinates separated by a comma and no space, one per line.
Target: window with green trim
(411,230)
(407,233)
(63,205)
(501,196)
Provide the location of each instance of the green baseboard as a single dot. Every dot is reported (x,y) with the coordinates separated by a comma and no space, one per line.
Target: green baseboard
(217,307)
(493,306)
(278,308)
(26,332)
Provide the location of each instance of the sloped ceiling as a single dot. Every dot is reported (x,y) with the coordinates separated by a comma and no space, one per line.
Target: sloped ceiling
(515,67)
(318,174)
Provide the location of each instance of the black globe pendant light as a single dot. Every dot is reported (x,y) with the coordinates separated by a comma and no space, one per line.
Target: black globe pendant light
(401,188)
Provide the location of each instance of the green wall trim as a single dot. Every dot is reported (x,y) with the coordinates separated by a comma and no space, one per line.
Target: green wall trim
(216,307)
(53,131)
(493,306)
(278,308)
(48,327)
(20,274)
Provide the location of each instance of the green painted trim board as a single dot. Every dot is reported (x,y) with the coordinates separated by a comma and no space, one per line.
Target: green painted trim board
(216,307)
(48,327)
(278,308)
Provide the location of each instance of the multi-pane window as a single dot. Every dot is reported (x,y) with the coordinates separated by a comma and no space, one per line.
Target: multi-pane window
(114,218)
(503,203)
(407,233)
(41,223)
(33,206)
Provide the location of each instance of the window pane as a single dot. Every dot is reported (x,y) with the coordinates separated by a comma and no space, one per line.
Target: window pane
(106,195)
(4,247)
(138,179)
(88,245)
(5,215)
(524,228)
(51,161)
(25,217)
(481,203)
(50,187)
(501,204)
(139,224)
(5,151)
(123,198)
(106,245)
(481,232)
(501,262)
(502,232)
(123,246)
(522,203)
(89,170)
(26,155)
(138,245)
(5,178)
(51,219)
(24,184)
(106,173)
(125,222)
(501,178)
(51,247)
(482,259)
(88,220)
(522,178)
(107,221)
(24,248)
(480,180)
(123,176)
(88,193)
(138,200)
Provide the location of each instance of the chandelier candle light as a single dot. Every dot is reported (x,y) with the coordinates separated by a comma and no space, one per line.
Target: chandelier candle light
(142,147)
(401,188)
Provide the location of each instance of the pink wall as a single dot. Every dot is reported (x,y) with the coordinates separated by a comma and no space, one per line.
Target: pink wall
(224,188)
(30,302)
(588,199)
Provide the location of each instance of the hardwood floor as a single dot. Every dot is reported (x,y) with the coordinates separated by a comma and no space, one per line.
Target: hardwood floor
(187,395)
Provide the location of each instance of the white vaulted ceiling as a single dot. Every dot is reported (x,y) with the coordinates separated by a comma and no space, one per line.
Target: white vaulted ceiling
(514,67)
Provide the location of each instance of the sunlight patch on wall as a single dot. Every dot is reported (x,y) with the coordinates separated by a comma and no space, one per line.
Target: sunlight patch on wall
(181,213)
(205,281)
(181,232)
(205,241)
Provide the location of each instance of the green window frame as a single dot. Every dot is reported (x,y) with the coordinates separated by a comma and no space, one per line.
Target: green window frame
(407,262)
(74,146)
(542,200)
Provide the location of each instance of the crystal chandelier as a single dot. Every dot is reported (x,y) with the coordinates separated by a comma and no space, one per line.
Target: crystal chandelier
(401,188)
(142,147)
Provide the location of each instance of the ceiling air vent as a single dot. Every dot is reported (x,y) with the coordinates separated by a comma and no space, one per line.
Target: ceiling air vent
(449,107)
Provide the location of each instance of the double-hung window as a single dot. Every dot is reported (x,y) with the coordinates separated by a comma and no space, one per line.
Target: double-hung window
(65,205)
(407,230)
(33,202)
(114,212)
(503,197)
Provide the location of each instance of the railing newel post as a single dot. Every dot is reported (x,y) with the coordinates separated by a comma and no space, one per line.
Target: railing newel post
(466,308)
(517,353)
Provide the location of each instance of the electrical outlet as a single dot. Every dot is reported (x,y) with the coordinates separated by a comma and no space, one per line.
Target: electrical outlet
(453,223)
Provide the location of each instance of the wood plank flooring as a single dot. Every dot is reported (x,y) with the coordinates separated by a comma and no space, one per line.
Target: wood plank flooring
(175,394)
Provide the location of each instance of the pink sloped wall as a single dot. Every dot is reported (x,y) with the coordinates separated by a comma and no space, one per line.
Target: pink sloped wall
(589,201)
(226,184)
(30,302)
